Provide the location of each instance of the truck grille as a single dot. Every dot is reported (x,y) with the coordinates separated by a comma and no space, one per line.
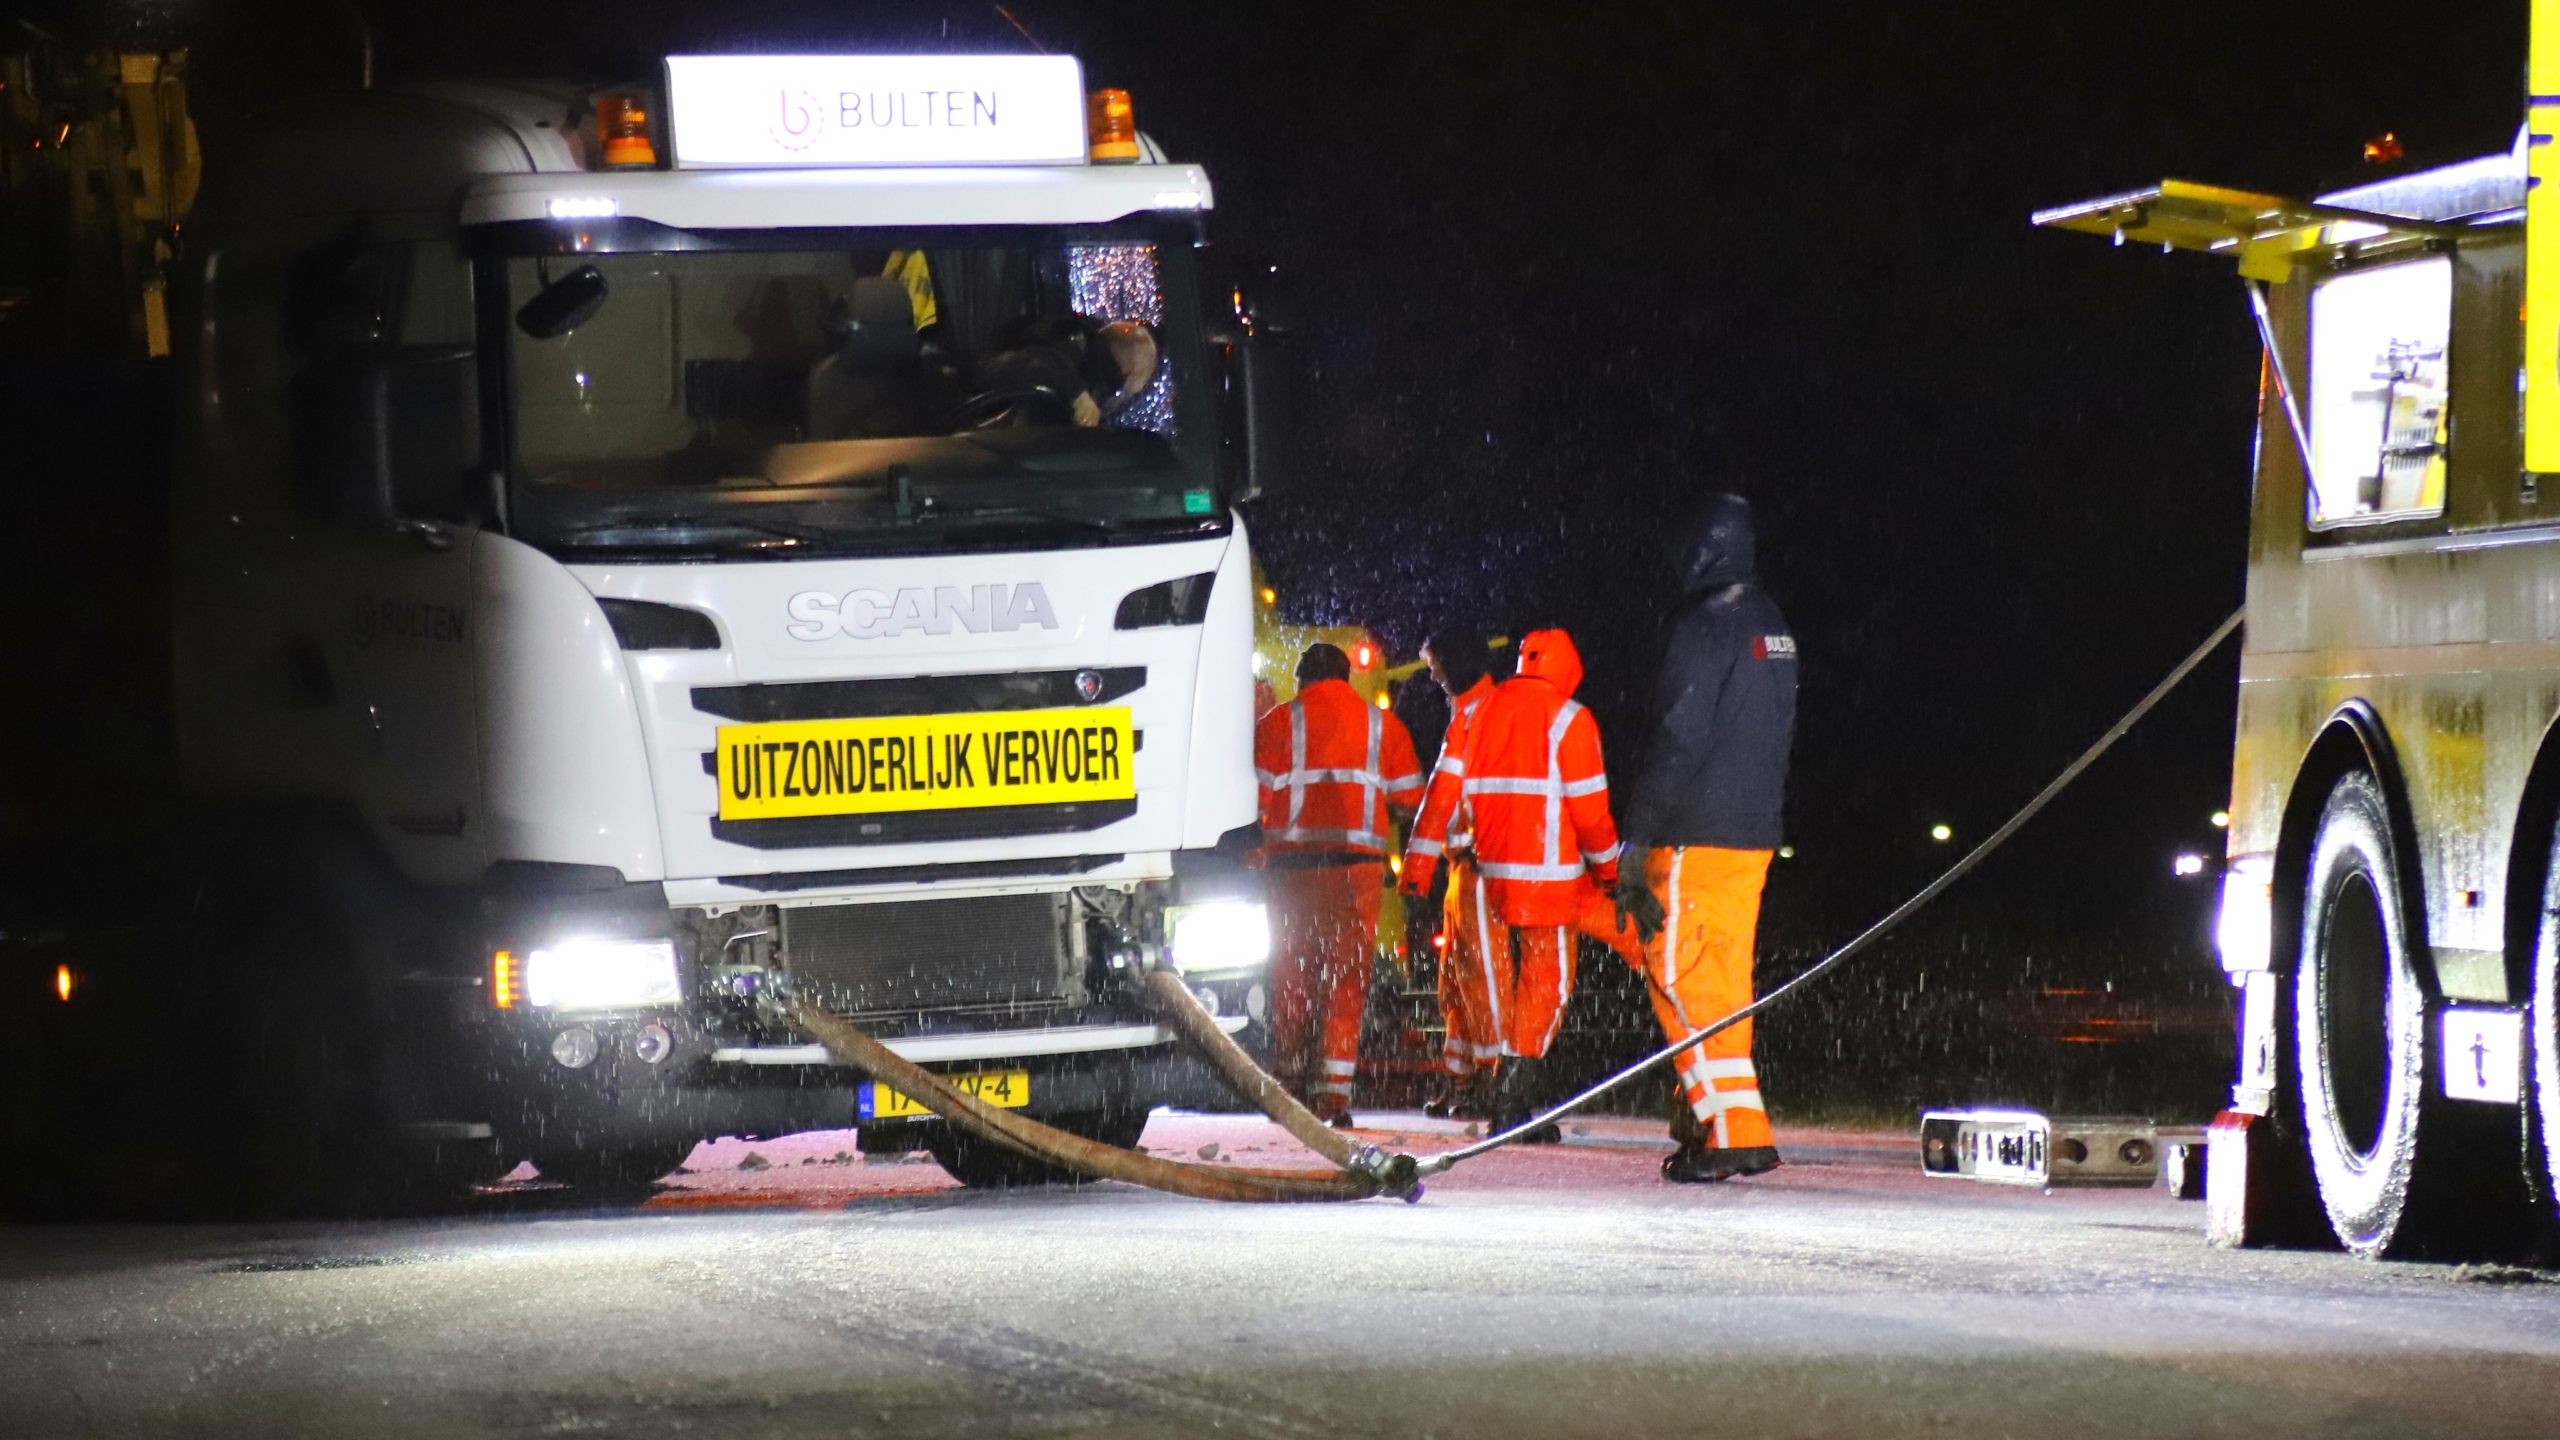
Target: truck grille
(1001,952)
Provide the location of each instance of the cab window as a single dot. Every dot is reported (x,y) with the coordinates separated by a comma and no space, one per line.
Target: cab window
(2379,392)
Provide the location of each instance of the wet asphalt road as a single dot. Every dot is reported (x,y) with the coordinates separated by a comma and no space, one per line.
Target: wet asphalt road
(1561,1292)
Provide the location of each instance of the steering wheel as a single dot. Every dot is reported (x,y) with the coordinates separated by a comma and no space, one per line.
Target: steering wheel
(990,408)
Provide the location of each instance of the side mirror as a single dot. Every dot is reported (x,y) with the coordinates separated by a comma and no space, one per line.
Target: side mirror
(387,434)
(564,304)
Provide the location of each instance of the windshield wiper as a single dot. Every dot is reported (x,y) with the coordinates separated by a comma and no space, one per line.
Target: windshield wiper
(1019,513)
(659,532)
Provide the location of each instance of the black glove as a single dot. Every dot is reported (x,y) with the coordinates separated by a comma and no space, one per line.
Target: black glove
(1634,899)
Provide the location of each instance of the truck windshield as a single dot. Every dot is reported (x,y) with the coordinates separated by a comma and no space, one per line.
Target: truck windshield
(749,402)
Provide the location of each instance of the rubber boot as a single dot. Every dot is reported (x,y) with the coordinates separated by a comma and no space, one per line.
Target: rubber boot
(1475,1095)
(1333,1110)
(1697,1162)
(1518,1089)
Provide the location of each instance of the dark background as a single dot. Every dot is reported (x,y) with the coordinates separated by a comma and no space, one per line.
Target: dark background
(1559,270)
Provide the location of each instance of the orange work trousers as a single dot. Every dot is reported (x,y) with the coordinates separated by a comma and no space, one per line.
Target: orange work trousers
(1700,969)
(1530,971)
(1474,1025)
(1326,921)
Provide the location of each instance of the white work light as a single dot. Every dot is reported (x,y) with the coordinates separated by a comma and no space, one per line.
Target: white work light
(601,975)
(1221,935)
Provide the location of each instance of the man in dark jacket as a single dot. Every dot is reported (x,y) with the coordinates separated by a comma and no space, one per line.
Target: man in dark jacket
(1700,828)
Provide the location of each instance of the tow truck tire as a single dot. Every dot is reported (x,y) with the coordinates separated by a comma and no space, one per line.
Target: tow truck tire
(2542,1038)
(983,1165)
(295,1060)
(2359,1021)
(625,1170)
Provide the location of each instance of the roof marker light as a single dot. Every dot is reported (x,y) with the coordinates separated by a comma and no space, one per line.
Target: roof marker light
(622,124)
(1176,200)
(584,207)
(1111,128)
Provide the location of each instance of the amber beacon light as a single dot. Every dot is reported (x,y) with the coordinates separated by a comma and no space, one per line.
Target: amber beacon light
(622,122)
(1113,126)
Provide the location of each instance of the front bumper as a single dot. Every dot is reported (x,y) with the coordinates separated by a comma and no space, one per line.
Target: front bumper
(705,1089)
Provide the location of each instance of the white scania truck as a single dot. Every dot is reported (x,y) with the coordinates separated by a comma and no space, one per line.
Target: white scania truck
(641,552)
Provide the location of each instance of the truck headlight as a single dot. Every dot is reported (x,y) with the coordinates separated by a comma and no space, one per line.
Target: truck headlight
(601,975)
(1221,935)
(2244,931)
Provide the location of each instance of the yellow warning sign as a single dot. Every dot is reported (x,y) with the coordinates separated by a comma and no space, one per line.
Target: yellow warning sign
(925,762)
(2542,243)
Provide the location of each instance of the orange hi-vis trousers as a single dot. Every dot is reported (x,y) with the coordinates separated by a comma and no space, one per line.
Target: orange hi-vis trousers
(1325,921)
(1700,968)
(1474,1038)
(1529,992)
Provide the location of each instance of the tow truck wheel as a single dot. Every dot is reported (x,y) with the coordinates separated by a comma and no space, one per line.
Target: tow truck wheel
(2359,1021)
(982,1165)
(622,1170)
(2542,1029)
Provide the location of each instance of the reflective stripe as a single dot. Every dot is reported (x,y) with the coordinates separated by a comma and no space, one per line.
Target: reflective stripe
(1484,961)
(1555,777)
(1601,857)
(1357,839)
(1297,760)
(1593,786)
(1739,1100)
(1564,988)
(1403,782)
(1340,1067)
(1335,1087)
(1450,762)
(1419,845)
(1512,785)
(1722,1069)
(1501,870)
(1337,777)
(1670,941)
(1271,779)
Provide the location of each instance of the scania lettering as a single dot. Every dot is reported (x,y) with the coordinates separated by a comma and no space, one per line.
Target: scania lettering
(642,554)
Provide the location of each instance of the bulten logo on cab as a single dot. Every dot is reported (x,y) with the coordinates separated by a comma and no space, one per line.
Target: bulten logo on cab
(877,614)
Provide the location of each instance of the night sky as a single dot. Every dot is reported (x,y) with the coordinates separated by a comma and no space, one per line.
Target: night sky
(1557,270)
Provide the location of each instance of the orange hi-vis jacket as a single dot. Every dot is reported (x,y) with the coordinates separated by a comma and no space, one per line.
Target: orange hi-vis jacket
(1443,824)
(1330,764)
(1537,790)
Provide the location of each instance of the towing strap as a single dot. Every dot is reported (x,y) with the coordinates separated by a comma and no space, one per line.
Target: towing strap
(1364,1170)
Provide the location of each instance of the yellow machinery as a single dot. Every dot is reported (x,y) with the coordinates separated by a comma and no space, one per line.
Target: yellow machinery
(98,168)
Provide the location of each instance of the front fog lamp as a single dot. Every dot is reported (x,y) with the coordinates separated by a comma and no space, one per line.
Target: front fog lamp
(601,975)
(1227,935)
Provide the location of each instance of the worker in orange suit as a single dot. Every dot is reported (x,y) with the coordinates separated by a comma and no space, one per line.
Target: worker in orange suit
(1701,826)
(1335,772)
(1539,797)
(1471,1046)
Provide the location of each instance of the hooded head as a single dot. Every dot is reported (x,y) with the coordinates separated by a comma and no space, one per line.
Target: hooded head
(1323,662)
(1549,655)
(1712,548)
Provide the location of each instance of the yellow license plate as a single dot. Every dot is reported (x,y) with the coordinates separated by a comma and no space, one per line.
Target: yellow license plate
(925,762)
(1010,1089)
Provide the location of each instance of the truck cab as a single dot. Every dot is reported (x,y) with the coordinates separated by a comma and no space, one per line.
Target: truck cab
(643,553)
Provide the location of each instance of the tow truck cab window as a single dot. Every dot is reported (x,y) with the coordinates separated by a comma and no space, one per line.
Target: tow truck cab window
(900,393)
(2380,387)
(383,394)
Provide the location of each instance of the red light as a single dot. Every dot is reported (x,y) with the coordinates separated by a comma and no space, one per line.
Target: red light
(1439,942)
(62,982)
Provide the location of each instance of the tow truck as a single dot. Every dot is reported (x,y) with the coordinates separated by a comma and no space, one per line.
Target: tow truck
(2390,892)
(641,552)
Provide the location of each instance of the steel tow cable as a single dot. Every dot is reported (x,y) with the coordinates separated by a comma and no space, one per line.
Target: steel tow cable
(1441,1162)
